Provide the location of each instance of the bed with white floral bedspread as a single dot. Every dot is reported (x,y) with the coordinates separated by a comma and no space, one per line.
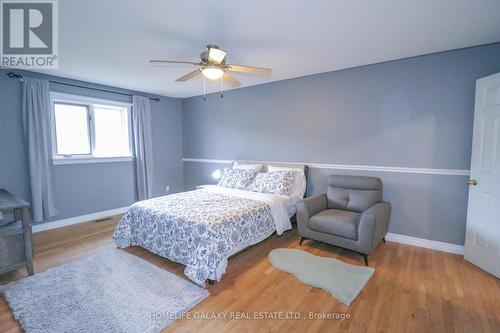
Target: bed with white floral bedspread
(201,229)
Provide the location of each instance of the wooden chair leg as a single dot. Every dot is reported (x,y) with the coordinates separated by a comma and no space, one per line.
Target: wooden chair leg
(365,257)
(210,281)
(383,239)
(301,239)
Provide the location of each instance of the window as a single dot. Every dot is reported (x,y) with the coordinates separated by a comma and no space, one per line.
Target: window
(111,131)
(89,130)
(72,129)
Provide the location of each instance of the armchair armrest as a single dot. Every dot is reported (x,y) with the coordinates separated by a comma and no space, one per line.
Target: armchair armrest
(373,225)
(312,205)
(308,207)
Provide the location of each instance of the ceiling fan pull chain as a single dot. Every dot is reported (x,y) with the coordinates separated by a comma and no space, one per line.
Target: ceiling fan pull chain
(204,89)
(221,92)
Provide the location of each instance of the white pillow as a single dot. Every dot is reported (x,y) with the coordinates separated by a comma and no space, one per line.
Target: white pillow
(254,167)
(300,182)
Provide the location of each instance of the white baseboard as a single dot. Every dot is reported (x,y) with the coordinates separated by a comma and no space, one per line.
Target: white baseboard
(78,219)
(427,243)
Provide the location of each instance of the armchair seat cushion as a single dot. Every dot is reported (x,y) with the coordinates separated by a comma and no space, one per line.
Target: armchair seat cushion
(337,222)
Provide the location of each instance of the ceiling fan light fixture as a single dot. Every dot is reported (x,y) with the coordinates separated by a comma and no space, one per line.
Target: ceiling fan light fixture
(212,73)
(216,55)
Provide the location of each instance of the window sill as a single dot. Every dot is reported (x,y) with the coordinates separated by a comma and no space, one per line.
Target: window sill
(59,161)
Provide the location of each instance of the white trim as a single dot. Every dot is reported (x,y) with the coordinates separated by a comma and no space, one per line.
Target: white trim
(427,171)
(75,160)
(77,219)
(90,103)
(426,243)
(206,160)
(74,98)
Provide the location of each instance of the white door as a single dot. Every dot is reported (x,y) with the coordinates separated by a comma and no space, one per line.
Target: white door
(482,239)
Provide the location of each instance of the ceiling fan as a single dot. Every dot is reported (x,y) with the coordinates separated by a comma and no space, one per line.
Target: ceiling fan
(213,66)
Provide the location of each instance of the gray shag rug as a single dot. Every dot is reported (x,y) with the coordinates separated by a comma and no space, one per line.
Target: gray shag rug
(343,281)
(112,291)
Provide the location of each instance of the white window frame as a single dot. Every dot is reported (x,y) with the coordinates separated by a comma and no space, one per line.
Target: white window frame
(90,103)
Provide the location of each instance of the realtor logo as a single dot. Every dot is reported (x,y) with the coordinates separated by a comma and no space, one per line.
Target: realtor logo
(29,34)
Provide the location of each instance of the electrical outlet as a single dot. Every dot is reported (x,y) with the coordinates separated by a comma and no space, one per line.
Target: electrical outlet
(167,188)
(1,215)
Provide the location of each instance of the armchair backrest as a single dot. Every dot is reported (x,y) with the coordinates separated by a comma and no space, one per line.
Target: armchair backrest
(354,193)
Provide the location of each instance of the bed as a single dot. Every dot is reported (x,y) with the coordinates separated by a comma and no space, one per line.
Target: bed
(201,229)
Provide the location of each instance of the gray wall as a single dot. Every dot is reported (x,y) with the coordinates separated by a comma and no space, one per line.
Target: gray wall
(87,188)
(415,112)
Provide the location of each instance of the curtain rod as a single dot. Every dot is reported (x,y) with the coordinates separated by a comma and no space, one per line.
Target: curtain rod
(13,75)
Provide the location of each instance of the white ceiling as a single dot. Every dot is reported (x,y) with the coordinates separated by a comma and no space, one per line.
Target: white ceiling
(110,41)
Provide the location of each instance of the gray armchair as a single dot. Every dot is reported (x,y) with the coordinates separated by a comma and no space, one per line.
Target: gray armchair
(350,215)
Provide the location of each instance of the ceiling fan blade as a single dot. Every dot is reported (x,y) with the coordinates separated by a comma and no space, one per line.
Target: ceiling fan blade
(158,61)
(251,70)
(230,80)
(189,76)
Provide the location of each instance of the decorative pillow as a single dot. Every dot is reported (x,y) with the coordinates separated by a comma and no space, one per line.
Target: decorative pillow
(300,182)
(278,182)
(237,178)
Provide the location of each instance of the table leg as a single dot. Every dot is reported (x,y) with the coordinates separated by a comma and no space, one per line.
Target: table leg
(28,246)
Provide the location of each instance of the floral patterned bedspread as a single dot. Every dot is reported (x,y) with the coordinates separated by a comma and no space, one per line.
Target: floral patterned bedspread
(198,229)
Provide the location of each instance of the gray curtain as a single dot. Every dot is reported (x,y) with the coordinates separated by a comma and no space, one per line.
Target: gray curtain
(36,120)
(143,146)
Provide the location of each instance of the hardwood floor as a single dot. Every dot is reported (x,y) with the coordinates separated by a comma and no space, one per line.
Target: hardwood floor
(413,289)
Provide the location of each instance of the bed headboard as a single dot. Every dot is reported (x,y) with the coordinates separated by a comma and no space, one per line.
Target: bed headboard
(278,164)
